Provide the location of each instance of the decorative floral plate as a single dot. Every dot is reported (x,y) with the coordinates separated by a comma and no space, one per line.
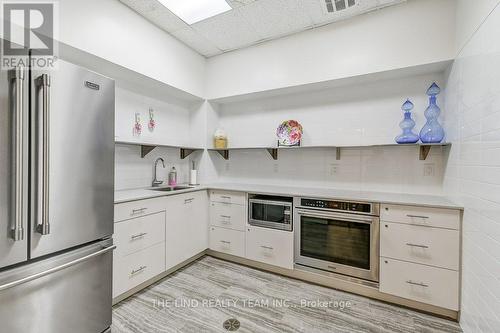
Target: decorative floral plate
(289,133)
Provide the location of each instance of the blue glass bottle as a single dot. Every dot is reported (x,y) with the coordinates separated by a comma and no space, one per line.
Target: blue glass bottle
(407,125)
(432,132)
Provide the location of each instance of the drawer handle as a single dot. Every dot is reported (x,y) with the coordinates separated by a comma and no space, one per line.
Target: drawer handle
(225,242)
(188,200)
(417,245)
(418,216)
(138,211)
(225,216)
(267,247)
(225,197)
(420,284)
(142,234)
(140,269)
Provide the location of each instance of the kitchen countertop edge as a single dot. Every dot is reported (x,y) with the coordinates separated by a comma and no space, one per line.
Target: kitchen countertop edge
(433,201)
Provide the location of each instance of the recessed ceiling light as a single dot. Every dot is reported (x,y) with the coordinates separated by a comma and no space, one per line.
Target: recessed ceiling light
(192,11)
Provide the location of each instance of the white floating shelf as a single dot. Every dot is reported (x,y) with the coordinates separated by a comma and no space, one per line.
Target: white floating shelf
(424,149)
(147,147)
(397,73)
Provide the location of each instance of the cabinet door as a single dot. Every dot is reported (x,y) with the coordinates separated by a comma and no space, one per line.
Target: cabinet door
(187,226)
(274,247)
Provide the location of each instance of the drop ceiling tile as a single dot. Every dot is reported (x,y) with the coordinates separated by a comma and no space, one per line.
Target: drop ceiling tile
(316,9)
(273,18)
(157,14)
(190,37)
(228,31)
(239,3)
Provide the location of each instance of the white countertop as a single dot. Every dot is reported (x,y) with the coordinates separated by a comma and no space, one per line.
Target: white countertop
(314,192)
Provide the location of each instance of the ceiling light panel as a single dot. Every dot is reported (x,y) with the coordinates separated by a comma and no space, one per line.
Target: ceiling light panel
(192,11)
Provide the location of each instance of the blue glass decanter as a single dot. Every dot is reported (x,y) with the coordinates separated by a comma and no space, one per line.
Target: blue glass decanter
(407,125)
(432,132)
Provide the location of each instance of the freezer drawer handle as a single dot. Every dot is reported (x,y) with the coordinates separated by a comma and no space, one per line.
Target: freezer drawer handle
(43,82)
(56,269)
(17,75)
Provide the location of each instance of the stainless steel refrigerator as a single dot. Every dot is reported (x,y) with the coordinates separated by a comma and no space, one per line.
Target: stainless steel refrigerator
(56,200)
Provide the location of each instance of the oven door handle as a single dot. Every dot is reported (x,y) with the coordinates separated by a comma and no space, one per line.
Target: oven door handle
(268,202)
(343,217)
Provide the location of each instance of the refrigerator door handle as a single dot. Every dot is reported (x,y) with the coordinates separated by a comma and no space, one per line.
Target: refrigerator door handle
(17,232)
(56,269)
(43,83)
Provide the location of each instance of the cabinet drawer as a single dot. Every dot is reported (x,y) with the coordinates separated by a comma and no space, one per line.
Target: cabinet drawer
(424,245)
(270,246)
(431,285)
(237,198)
(136,268)
(139,233)
(129,210)
(431,217)
(227,241)
(228,216)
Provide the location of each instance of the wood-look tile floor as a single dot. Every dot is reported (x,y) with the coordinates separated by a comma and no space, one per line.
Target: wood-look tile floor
(201,296)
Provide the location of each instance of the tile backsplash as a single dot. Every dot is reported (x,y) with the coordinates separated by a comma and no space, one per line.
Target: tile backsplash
(132,171)
(387,169)
(472,175)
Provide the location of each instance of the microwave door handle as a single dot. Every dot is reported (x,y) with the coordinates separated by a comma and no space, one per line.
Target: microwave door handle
(17,75)
(43,83)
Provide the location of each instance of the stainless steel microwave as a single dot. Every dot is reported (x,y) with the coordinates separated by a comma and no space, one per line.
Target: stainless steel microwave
(270,212)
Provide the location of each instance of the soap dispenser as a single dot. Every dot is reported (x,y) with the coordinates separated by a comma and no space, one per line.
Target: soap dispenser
(172,177)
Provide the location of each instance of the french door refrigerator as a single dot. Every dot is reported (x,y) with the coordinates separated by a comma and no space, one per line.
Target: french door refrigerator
(56,200)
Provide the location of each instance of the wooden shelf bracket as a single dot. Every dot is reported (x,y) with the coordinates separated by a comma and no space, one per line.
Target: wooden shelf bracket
(224,154)
(146,150)
(185,152)
(424,151)
(273,152)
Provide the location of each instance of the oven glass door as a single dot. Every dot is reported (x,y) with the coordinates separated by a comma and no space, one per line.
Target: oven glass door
(339,243)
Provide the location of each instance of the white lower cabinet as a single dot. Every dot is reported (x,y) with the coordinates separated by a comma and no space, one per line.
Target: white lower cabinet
(274,247)
(227,241)
(420,254)
(132,270)
(431,285)
(140,233)
(226,215)
(423,245)
(186,227)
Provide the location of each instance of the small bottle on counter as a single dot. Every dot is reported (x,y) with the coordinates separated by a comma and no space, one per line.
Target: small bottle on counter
(172,177)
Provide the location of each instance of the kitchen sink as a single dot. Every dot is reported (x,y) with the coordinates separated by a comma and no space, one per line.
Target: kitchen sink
(170,189)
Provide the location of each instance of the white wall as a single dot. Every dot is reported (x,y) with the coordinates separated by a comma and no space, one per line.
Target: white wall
(112,31)
(473,172)
(412,33)
(366,114)
(176,124)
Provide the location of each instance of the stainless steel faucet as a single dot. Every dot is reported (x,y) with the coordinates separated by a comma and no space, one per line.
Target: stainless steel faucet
(157,182)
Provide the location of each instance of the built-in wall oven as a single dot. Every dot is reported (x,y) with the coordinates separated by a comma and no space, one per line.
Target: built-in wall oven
(269,211)
(338,237)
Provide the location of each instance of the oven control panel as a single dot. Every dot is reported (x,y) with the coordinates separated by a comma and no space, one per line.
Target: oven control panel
(347,206)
